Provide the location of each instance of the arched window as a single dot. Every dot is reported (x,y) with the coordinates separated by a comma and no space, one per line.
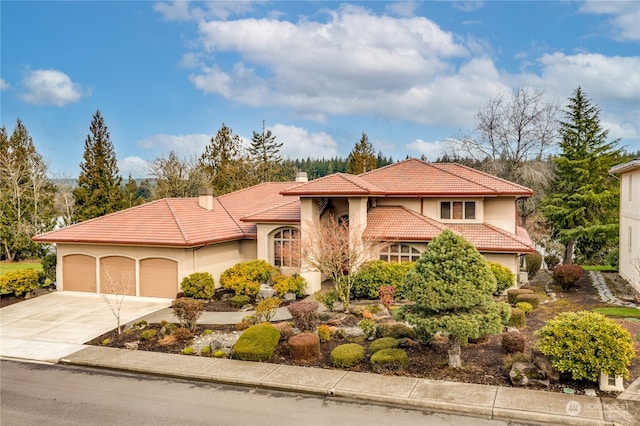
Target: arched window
(399,253)
(286,247)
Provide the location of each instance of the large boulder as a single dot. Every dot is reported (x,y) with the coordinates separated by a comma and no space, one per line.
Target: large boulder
(527,374)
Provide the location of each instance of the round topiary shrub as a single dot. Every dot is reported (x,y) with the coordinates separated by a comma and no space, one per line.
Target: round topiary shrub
(245,277)
(504,277)
(534,261)
(513,342)
(513,293)
(524,307)
(304,347)
(383,343)
(239,301)
(257,343)
(390,359)
(199,285)
(583,343)
(531,299)
(348,355)
(517,318)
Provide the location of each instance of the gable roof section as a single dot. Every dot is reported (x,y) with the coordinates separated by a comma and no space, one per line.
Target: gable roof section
(176,222)
(396,223)
(415,177)
(626,167)
(288,212)
(337,184)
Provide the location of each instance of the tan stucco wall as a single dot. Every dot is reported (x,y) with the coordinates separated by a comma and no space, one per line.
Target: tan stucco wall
(501,212)
(511,261)
(629,261)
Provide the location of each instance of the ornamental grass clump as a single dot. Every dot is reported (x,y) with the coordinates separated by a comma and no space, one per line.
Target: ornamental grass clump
(585,343)
(257,343)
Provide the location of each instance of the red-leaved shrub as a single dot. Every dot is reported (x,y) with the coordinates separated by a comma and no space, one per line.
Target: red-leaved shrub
(567,275)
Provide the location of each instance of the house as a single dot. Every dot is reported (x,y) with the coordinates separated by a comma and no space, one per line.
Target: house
(152,247)
(629,245)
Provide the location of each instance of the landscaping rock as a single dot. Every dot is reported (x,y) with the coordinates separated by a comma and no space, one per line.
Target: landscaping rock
(266,291)
(132,345)
(527,374)
(543,362)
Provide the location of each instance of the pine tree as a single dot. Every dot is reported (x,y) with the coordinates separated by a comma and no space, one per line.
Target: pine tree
(225,163)
(26,194)
(98,192)
(451,289)
(362,157)
(131,194)
(582,207)
(265,156)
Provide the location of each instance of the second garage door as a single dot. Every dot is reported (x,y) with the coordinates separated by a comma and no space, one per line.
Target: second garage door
(158,278)
(118,275)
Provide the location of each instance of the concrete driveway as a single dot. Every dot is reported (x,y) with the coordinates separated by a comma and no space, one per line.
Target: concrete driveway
(51,326)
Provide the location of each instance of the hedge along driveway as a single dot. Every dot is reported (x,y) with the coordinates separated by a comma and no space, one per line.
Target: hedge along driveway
(51,326)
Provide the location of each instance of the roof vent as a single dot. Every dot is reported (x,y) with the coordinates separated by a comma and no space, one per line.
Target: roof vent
(205,198)
(301,177)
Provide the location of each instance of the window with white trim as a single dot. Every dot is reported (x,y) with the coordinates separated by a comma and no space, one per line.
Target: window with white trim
(399,253)
(286,247)
(458,210)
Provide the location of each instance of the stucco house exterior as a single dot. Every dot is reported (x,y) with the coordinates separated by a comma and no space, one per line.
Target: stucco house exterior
(405,204)
(629,245)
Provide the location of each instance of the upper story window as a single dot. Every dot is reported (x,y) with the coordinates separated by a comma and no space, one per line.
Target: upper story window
(399,253)
(286,247)
(458,210)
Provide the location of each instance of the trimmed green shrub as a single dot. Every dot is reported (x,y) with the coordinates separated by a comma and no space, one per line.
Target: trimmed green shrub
(199,285)
(583,343)
(374,274)
(383,343)
(567,275)
(245,277)
(389,359)
(239,301)
(531,299)
(284,284)
(187,311)
(525,307)
(504,277)
(21,282)
(188,351)
(148,334)
(347,355)
(517,318)
(534,261)
(327,298)
(324,333)
(266,308)
(49,262)
(219,354)
(512,342)
(513,293)
(396,330)
(304,314)
(205,351)
(257,343)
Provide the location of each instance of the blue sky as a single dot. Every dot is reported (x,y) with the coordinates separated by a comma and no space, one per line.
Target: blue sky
(166,75)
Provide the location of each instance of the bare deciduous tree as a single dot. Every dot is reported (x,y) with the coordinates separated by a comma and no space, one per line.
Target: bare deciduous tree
(176,177)
(118,289)
(337,250)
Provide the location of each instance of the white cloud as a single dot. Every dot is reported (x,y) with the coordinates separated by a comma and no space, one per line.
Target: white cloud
(625,17)
(50,87)
(299,143)
(184,145)
(431,150)
(4,85)
(134,166)
(183,10)
(468,6)
(403,8)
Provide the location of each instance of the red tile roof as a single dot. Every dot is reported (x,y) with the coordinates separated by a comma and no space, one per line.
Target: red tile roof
(176,222)
(284,213)
(413,178)
(396,223)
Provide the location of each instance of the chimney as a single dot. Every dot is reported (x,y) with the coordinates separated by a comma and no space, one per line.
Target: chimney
(301,177)
(205,198)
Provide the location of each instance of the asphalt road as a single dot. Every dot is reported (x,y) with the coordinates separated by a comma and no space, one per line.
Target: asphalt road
(37,394)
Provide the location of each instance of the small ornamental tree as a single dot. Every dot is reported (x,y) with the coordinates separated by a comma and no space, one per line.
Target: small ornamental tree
(583,343)
(451,288)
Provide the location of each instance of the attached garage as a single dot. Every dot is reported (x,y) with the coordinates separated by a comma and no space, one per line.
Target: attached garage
(118,275)
(79,273)
(158,277)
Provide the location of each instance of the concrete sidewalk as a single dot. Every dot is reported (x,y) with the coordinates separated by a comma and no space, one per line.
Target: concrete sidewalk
(490,402)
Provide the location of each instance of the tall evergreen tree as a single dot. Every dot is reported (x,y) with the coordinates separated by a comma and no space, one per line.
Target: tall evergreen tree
(26,194)
(225,163)
(583,205)
(130,194)
(265,156)
(362,157)
(98,192)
